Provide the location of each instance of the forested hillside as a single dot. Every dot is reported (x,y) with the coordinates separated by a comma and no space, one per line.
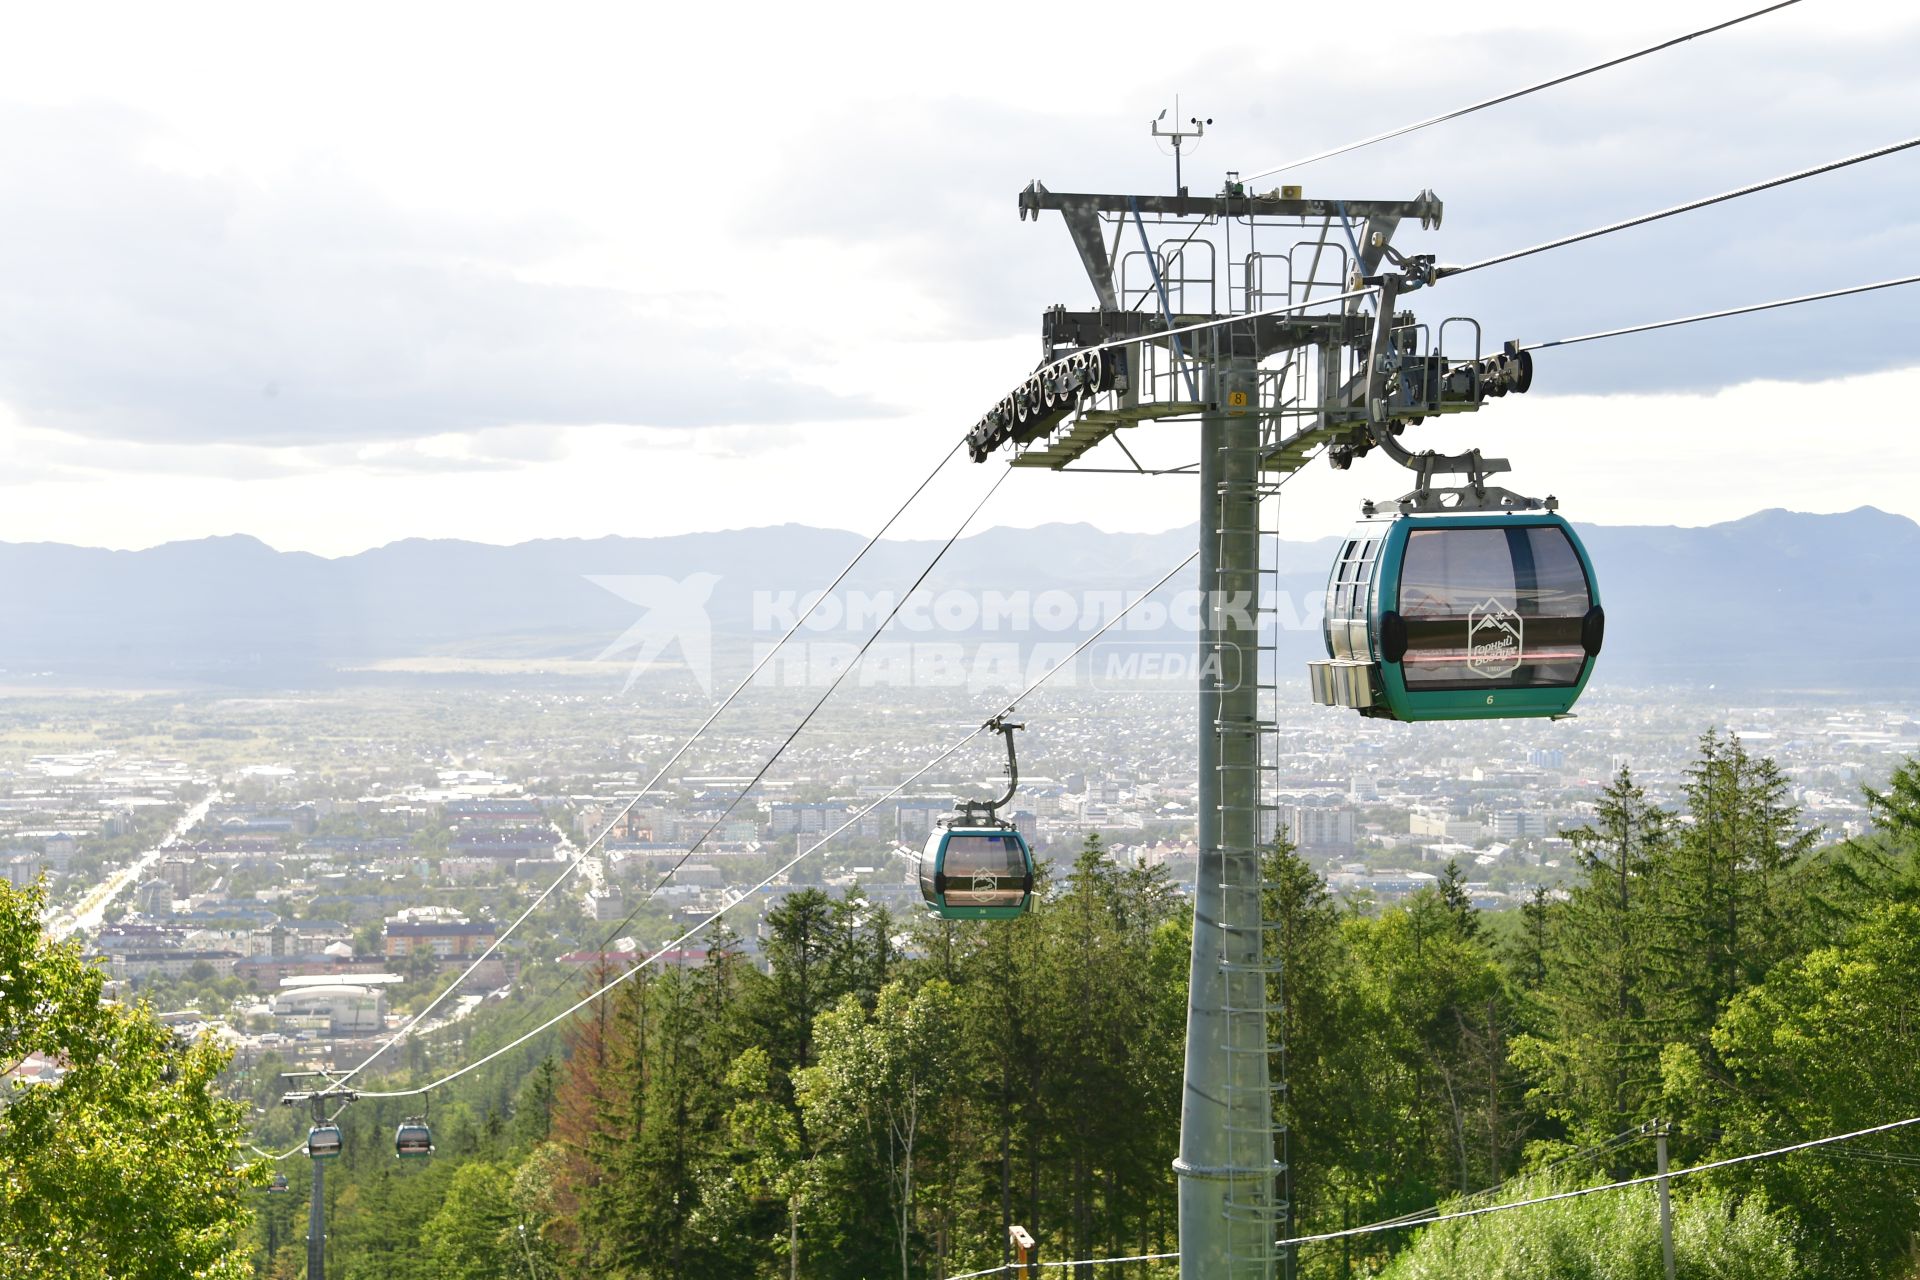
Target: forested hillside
(892,1094)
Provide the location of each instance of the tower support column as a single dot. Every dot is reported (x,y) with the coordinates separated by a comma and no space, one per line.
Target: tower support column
(1226,1163)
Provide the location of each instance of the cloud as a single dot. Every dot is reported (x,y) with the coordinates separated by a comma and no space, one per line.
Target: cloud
(31,454)
(1752,103)
(142,304)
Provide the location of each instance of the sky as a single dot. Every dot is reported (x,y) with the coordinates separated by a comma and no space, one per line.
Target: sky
(337,279)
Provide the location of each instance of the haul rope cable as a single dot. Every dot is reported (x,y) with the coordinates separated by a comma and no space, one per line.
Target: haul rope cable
(294,1151)
(780,871)
(1688,207)
(268,1155)
(673,945)
(1209,324)
(1518,93)
(628,808)
(1714,315)
(1719,315)
(1190,328)
(771,760)
(1749,309)
(843,673)
(1171,332)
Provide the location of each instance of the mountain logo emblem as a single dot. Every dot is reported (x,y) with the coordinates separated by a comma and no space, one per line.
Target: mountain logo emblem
(1495,641)
(674,615)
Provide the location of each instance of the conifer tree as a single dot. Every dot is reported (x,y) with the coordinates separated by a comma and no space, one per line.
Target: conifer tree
(1308,991)
(1595,1061)
(1458,902)
(1728,912)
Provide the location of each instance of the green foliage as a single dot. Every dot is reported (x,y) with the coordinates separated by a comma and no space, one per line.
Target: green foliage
(1595,1060)
(1827,1044)
(886,1097)
(124,1168)
(881,1088)
(1429,1014)
(1610,1236)
(1728,906)
(472,1237)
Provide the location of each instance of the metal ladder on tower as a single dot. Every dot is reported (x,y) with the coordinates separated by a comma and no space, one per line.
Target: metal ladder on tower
(1256,1202)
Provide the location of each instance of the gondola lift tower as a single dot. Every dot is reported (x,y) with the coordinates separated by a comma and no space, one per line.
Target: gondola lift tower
(1275,321)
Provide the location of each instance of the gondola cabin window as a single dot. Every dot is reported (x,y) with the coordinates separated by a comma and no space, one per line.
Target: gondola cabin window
(985,869)
(1492,608)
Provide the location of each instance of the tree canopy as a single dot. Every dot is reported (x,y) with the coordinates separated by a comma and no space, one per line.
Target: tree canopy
(127,1166)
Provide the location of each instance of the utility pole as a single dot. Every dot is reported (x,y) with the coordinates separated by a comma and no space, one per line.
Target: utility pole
(1277,363)
(1026,1254)
(533,1272)
(1666,1200)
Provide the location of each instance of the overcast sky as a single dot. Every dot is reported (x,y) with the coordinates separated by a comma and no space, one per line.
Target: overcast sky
(338,277)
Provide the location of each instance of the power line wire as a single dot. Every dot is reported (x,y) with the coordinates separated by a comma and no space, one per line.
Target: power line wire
(1719,315)
(628,808)
(1688,207)
(1429,1220)
(1006,1267)
(1518,93)
(1624,1138)
(1643,1180)
(794,861)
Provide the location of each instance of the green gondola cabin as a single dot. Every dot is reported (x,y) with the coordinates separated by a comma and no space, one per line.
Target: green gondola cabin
(976,873)
(1477,616)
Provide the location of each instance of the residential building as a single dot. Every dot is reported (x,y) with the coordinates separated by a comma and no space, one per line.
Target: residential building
(445,939)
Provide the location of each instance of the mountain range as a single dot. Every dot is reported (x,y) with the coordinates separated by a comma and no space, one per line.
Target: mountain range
(1777,600)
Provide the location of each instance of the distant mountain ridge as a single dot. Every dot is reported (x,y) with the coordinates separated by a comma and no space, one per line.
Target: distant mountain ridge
(1777,599)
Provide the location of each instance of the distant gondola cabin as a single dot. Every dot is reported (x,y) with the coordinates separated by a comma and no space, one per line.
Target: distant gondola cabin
(324,1142)
(413,1140)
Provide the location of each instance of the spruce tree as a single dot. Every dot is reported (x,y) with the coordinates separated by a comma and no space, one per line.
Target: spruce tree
(1728,908)
(1458,902)
(1595,1061)
(1309,992)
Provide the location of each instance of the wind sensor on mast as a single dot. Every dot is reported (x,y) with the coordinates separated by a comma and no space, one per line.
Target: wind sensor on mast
(1178,135)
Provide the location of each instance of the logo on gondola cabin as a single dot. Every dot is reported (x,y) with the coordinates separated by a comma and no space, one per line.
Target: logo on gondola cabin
(984,882)
(1494,640)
